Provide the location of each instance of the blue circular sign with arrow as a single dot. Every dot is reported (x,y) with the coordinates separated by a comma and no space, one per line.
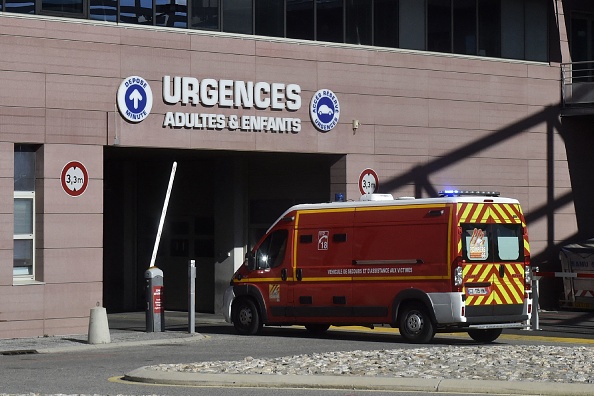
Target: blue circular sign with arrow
(135,99)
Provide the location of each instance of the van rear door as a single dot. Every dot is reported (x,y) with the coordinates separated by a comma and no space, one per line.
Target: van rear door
(493,273)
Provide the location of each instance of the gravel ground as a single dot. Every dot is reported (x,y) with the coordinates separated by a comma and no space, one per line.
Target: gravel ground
(564,364)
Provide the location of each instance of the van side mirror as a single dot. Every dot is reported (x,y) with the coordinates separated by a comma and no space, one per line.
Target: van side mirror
(251,260)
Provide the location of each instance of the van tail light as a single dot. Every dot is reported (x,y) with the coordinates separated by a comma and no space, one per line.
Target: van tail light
(527,274)
(457,274)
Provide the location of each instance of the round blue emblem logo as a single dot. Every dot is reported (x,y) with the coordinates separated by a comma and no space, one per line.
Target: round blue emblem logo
(324,110)
(135,99)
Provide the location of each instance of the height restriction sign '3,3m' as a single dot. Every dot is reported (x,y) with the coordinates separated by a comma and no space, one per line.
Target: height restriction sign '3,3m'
(368,182)
(74,178)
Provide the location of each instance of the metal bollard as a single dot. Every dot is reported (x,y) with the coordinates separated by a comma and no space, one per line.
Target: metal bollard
(192,297)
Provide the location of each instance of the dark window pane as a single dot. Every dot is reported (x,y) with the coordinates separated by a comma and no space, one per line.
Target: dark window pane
(329,21)
(300,19)
(385,20)
(465,27)
(237,16)
(22,7)
(489,29)
(136,11)
(270,17)
(411,27)
(172,13)
(439,26)
(358,22)
(205,14)
(24,168)
(512,29)
(63,6)
(103,10)
(536,28)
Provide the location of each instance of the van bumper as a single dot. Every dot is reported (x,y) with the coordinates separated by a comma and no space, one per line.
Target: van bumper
(228,298)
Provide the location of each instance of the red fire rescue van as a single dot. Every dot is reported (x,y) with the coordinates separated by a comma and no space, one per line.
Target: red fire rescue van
(460,262)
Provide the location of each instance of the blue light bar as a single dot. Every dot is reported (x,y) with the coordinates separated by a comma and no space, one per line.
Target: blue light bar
(460,193)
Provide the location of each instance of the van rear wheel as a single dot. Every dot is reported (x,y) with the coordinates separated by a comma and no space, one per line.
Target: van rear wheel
(246,318)
(415,324)
(485,335)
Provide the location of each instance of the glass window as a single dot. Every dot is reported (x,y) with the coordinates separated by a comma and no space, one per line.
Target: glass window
(63,6)
(385,23)
(439,25)
(329,18)
(508,241)
(412,24)
(270,18)
(205,14)
(271,252)
(136,11)
(24,212)
(492,242)
(237,16)
(172,13)
(103,10)
(358,22)
(465,27)
(22,7)
(489,28)
(300,19)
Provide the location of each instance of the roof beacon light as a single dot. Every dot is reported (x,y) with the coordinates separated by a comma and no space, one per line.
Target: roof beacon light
(460,193)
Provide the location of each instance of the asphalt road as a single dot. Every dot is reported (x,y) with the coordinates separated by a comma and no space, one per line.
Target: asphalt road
(98,372)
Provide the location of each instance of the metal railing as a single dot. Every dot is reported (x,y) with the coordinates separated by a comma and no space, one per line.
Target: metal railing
(577,83)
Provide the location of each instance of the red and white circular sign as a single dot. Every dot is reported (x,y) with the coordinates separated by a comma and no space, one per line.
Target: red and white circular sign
(74,178)
(368,182)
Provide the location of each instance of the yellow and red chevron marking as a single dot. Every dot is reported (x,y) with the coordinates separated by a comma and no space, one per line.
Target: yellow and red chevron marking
(508,289)
(489,213)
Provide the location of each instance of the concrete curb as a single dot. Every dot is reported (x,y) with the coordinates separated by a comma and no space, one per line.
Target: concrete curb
(150,375)
(123,344)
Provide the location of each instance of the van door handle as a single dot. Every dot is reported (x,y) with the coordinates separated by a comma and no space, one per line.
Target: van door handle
(299,274)
(284,274)
(501,271)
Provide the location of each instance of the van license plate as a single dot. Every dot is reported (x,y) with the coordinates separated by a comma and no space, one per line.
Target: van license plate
(477,291)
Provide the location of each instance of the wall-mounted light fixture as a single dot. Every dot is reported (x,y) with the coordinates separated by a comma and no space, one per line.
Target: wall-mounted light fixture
(356,124)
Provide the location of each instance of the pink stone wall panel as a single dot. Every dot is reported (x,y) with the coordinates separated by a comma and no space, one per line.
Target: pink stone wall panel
(288,71)
(538,199)
(21,329)
(387,110)
(538,171)
(400,140)
(6,166)
(22,89)
(67,326)
(222,66)
(6,232)
(22,124)
(73,265)
(282,50)
(153,63)
(6,255)
(23,302)
(81,92)
(57,201)
(56,156)
(221,43)
(74,57)
(93,32)
(453,114)
(345,138)
(16,25)
(72,300)
(142,36)
(76,126)
(24,54)
(73,230)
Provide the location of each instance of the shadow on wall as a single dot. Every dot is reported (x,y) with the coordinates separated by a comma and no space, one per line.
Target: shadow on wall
(578,138)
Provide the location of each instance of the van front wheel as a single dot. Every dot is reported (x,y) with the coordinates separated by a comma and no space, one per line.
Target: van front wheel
(246,318)
(415,324)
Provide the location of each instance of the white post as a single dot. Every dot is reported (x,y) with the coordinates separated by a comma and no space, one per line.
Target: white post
(192,297)
(163,213)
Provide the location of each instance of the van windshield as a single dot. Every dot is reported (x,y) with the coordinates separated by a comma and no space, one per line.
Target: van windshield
(492,242)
